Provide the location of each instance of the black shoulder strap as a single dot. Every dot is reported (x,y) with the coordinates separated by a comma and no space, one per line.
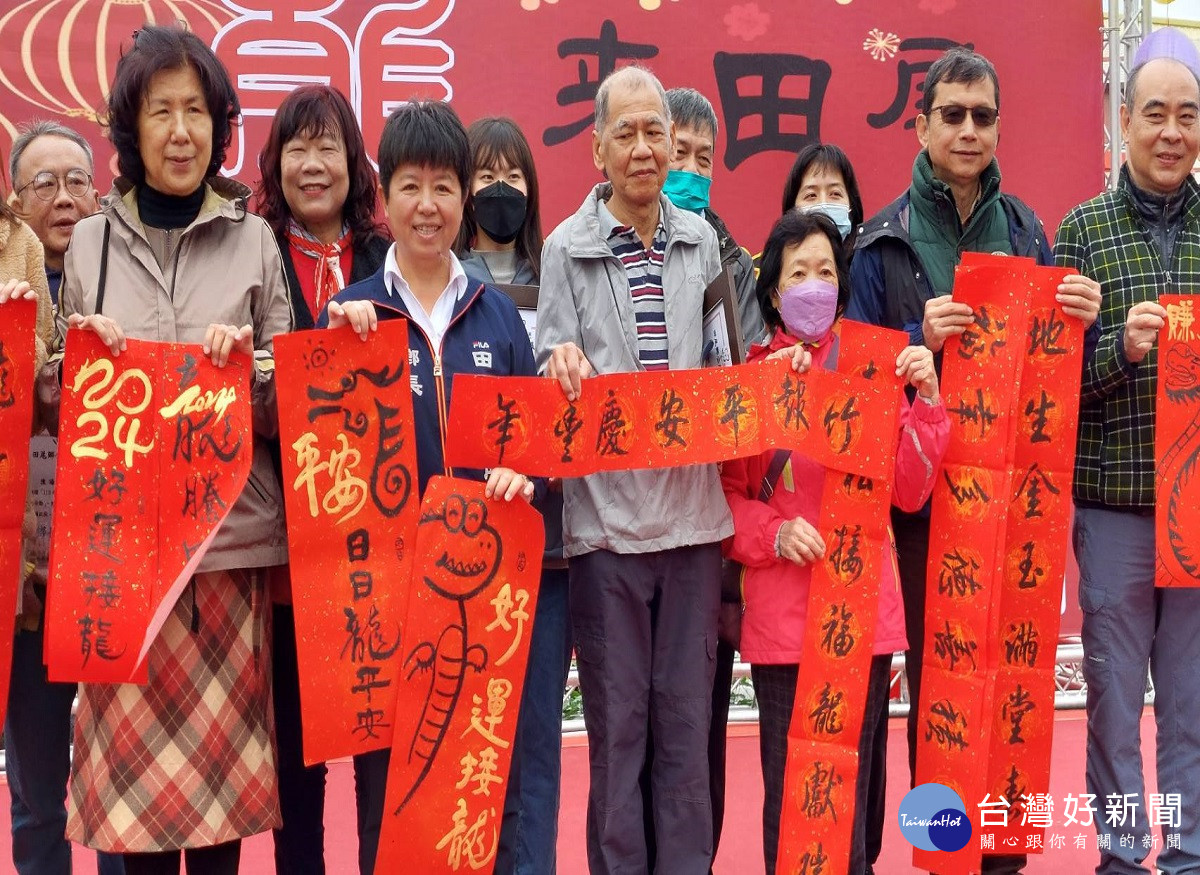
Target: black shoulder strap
(103,268)
(774,472)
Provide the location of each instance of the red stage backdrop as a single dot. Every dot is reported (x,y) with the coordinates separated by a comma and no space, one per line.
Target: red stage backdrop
(780,74)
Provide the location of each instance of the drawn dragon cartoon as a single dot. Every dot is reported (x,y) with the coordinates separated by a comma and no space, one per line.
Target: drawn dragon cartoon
(1181,376)
(470,557)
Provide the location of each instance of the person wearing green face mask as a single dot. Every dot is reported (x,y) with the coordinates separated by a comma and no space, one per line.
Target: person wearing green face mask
(689,181)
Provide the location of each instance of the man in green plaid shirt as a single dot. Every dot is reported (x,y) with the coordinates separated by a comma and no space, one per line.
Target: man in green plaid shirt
(1139,242)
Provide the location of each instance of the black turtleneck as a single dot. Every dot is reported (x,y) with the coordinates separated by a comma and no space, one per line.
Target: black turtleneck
(168,212)
(1162,215)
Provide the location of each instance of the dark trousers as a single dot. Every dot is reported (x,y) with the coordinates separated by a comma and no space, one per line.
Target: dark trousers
(775,690)
(300,841)
(718,731)
(645,641)
(912,549)
(222,859)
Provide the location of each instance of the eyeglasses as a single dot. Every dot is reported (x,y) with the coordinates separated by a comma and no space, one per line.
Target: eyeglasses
(45,184)
(954,114)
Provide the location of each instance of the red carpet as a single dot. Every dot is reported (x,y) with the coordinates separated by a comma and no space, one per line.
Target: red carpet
(741,844)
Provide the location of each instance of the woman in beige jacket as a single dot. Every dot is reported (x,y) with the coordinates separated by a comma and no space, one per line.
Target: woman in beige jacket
(184,762)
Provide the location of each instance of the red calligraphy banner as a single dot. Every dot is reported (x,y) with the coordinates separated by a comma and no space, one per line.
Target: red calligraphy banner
(465,645)
(18,319)
(350,492)
(817,820)
(1177,446)
(155,446)
(665,418)
(997,556)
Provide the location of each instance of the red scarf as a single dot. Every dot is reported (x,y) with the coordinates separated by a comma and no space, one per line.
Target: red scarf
(327,277)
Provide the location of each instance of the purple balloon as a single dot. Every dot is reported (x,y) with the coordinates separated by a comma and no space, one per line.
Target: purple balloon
(1169,42)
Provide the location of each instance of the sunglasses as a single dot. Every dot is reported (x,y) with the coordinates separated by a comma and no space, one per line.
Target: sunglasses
(955,114)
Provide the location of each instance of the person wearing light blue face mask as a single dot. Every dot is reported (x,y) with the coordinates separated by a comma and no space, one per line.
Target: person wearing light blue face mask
(822,180)
(689,185)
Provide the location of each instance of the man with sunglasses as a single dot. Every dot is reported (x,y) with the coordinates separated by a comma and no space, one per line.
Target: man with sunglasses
(51,171)
(902,275)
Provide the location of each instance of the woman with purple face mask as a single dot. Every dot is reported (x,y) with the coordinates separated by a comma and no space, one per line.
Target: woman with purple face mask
(775,498)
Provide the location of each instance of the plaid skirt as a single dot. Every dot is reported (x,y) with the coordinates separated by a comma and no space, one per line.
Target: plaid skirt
(187,760)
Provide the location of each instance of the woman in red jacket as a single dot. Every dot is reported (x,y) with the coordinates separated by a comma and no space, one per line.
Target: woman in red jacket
(803,287)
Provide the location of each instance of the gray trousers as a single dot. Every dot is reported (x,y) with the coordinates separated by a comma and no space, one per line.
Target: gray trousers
(1127,623)
(645,641)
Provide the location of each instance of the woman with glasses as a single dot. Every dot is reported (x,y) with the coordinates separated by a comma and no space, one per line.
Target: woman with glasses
(184,763)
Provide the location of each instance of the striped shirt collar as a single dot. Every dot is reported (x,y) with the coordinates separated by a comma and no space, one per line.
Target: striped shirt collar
(610,227)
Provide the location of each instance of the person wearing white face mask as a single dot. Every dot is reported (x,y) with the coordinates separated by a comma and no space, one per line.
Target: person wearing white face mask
(775,499)
(822,180)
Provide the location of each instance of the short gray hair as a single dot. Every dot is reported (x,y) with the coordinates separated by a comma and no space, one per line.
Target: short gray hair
(1131,84)
(691,109)
(631,74)
(29,132)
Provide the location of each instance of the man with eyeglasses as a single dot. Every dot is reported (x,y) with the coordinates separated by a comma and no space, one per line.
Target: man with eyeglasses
(51,171)
(902,275)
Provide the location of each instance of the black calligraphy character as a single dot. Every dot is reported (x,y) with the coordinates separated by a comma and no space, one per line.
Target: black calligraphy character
(612,428)
(1045,334)
(8,395)
(670,418)
(837,639)
(565,429)
(985,334)
(112,483)
(1015,709)
(193,436)
(951,649)
(956,577)
(845,418)
(354,418)
(187,371)
(947,725)
(355,642)
(358,545)
(1014,789)
(471,550)
(910,76)
(791,398)
(368,721)
(104,586)
(1021,644)
(361,584)
(978,413)
(368,680)
(101,646)
(858,483)
(607,51)
(102,535)
(751,87)
(967,492)
(200,495)
(814,861)
(733,409)
(1038,413)
(503,424)
(377,645)
(846,557)
(819,785)
(826,716)
(1031,572)
(1030,490)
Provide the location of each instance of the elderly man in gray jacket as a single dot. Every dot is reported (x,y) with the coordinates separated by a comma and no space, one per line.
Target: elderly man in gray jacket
(622,289)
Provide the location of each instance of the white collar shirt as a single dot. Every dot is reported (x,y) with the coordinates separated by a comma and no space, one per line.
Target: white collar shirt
(433,323)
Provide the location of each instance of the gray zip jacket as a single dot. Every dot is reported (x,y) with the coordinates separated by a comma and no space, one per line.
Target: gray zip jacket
(585,299)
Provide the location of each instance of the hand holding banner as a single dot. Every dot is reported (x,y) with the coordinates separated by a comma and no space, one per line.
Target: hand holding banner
(155,446)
